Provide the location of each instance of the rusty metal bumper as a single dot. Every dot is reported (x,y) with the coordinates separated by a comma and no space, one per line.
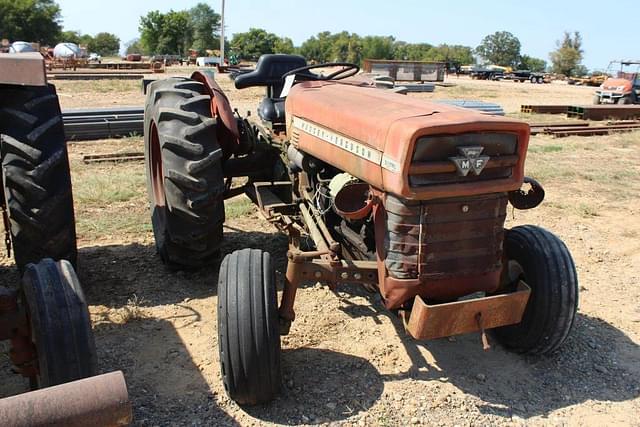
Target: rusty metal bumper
(461,317)
(98,401)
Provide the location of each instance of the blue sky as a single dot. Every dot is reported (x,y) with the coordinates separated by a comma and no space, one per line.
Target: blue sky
(538,24)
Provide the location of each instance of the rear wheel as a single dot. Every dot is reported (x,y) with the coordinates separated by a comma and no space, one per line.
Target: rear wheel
(60,323)
(249,338)
(543,261)
(184,173)
(533,79)
(35,175)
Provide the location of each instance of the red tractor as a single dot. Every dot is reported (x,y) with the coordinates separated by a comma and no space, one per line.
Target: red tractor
(402,196)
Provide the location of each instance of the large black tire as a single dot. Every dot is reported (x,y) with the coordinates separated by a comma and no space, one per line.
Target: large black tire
(248,331)
(60,323)
(545,264)
(184,173)
(36,178)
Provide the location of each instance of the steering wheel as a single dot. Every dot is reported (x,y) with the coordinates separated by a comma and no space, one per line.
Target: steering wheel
(348,70)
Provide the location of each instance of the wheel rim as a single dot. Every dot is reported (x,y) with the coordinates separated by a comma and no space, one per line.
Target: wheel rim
(155,167)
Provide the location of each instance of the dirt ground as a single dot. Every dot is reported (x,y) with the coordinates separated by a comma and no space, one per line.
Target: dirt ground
(347,360)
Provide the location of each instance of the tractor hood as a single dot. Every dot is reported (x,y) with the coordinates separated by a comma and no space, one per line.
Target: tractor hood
(616,85)
(372,134)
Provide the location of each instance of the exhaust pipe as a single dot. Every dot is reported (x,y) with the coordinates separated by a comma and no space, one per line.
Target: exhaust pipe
(100,401)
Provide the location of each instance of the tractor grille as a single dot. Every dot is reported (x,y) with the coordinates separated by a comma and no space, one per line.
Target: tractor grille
(444,238)
(432,165)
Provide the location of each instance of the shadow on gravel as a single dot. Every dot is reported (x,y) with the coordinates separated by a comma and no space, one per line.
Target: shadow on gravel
(314,379)
(112,275)
(176,396)
(597,362)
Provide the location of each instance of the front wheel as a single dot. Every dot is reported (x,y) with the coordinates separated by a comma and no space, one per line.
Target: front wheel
(596,100)
(248,331)
(541,260)
(624,100)
(60,323)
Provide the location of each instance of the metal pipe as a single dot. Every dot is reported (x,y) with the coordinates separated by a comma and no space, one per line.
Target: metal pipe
(98,401)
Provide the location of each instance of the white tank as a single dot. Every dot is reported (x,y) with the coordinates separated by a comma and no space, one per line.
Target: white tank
(21,47)
(66,51)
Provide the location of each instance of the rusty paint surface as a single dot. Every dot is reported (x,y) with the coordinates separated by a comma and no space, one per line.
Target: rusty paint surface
(461,317)
(227,129)
(99,401)
(22,69)
(439,249)
(375,132)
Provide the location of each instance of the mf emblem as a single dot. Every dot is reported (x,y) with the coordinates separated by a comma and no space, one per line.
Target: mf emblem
(470,160)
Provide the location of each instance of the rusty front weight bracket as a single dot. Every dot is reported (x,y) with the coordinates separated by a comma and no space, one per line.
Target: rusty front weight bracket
(470,315)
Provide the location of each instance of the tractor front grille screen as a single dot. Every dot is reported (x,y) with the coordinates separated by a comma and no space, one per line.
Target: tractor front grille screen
(444,238)
(471,157)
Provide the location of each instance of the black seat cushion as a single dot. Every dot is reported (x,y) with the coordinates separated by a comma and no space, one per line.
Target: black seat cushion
(269,71)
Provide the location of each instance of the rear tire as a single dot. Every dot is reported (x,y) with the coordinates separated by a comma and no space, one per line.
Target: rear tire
(547,267)
(249,338)
(36,177)
(60,323)
(184,173)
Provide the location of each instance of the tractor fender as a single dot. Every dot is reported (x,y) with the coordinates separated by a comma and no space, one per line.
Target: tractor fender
(228,132)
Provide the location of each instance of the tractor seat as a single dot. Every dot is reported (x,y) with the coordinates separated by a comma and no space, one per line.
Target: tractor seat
(269,71)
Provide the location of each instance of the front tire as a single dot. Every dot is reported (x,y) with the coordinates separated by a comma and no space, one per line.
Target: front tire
(624,100)
(545,264)
(35,175)
(184,173)
(248,330)
(597,100)
(60,323)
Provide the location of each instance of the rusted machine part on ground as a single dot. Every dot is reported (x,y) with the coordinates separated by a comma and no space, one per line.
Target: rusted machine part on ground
(14,326)
(469,315)
(98,401)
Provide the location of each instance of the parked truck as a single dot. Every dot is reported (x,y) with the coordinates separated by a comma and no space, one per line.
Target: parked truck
(624,88)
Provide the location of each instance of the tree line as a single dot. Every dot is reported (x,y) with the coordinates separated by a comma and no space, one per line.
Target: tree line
(198,29)
(39,21)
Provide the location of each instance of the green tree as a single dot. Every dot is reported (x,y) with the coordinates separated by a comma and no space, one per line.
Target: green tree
(411,51)
(346,47)
(377,47)
(318,48)
(453,54)
(500,48)
(104,44)
(284,45)
(568,55)
(30,20)
(134,46)
(168,33)
(253,43)
(205,24)
(533,64)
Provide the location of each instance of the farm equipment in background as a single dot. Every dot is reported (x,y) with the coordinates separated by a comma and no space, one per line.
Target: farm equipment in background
(527,75)
(46,318)
(405,197)
(624,88)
